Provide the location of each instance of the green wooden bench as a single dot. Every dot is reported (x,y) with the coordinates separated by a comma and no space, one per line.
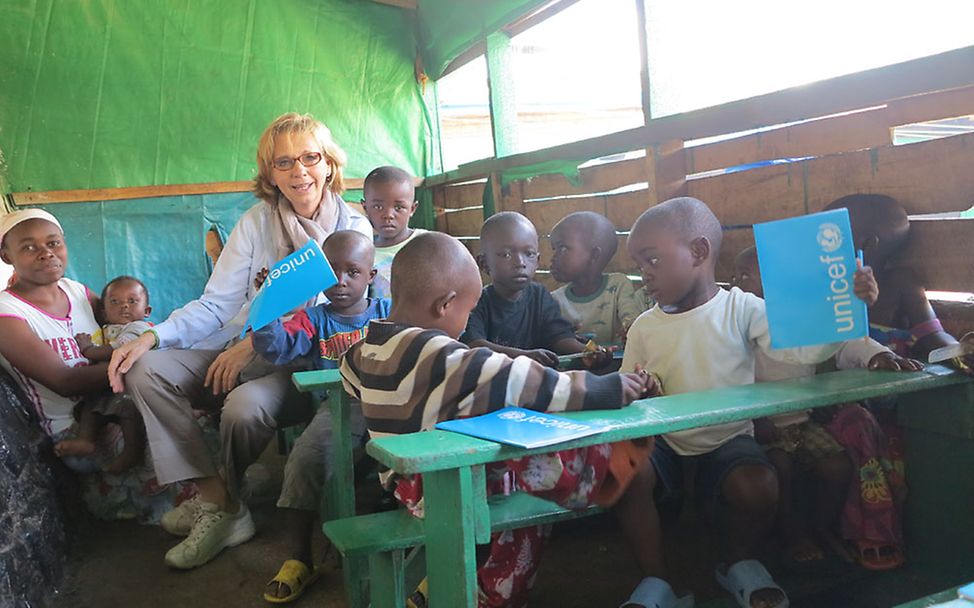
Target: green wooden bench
(460,515)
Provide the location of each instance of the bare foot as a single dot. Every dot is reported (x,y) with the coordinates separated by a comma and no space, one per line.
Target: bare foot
(804,551)
(125,461)
(835,544)
(75,447)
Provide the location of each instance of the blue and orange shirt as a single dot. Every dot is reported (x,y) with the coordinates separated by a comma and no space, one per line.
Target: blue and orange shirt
(317,333)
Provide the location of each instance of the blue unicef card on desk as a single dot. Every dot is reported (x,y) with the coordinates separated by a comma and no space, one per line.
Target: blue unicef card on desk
(290,283)
(807,267)
(523,427)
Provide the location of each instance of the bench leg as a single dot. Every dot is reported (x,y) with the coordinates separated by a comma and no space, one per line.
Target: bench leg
(450,527)
(386,579)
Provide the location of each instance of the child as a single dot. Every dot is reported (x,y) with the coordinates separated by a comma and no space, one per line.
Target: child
(39,317)
(411,372)
(125,301)
(794,440)
(903,320)
(322,333)
(516,316)
(389,203)
(597,303)
(701,337)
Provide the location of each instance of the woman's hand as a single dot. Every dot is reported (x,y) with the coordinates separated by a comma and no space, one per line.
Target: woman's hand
(125,356)
(260,278)
(224,372)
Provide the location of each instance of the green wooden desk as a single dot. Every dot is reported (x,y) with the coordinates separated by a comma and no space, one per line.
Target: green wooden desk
(457,514)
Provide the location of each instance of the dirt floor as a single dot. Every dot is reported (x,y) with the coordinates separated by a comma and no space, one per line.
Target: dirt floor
(586,566)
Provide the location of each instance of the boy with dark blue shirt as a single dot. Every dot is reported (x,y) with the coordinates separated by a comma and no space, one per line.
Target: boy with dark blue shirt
(320,334)
(515,315)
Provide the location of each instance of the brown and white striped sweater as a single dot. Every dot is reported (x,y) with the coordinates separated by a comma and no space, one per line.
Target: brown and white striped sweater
(409,378)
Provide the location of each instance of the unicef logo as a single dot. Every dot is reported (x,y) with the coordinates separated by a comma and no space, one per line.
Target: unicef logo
(829,237)
(512,415)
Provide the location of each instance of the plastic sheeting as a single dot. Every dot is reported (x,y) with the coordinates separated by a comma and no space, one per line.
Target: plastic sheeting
(112,93)
(159,240)
(447,28)
(32,536)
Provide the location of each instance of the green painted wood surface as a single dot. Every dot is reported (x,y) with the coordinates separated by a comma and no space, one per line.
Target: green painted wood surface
(439,450)
(338,500)
(393,530)
(451,563)
(388,585)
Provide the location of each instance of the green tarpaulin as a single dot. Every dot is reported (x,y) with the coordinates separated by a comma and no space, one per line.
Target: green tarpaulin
(111,93)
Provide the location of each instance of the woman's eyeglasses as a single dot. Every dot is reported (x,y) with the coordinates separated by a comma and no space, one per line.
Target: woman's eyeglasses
(309,159)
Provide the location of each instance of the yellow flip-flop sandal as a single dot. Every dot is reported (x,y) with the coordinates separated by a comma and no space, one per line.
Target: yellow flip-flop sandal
(297,576)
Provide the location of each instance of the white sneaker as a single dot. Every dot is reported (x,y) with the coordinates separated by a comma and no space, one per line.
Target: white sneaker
(213,531)
(179,521)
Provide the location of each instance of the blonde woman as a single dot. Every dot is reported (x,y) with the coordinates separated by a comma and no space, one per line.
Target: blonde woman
(192,360)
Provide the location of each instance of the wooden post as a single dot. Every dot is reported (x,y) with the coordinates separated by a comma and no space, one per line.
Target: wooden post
(644,83)
(666,171)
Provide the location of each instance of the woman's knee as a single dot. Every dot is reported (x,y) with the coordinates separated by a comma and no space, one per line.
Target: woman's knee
(751,487)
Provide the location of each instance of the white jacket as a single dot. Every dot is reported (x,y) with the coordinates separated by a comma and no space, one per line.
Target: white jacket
(218,316)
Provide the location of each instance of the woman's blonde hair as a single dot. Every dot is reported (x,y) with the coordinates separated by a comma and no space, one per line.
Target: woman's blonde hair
(294,123)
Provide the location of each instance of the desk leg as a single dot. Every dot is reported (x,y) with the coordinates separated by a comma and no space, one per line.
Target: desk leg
(450,531)
(339,500)
(386,571)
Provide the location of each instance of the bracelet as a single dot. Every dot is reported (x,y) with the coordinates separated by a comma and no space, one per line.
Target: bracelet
(155,336)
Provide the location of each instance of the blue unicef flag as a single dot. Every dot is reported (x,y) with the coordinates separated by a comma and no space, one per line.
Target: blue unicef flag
(290,283)
(807,267)
(523,427)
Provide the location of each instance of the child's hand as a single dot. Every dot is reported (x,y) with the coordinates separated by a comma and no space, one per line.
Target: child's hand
(259,279)
(84,341)
(543,356)
(599,358)
(765,431)
(891,361)
(637,385)
(865,285)
(651,383)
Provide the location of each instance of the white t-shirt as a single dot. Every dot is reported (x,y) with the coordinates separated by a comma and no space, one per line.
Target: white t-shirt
(711,346)
(382,284)
(55,411)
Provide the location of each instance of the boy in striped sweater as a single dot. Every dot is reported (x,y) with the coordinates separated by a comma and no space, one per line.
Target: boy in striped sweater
(410,372)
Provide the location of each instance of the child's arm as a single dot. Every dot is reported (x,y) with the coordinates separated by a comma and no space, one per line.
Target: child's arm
(867,353)
(35,359)
(280,343)
(921,319)
(93,352)
(541,355)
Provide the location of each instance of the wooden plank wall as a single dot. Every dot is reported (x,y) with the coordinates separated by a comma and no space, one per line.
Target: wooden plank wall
(839,155)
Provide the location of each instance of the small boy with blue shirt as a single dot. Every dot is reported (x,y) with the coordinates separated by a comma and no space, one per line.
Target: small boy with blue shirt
(515,315)
(321,335)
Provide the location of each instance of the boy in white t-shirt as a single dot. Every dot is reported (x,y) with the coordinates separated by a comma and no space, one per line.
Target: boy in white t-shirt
(700,337)
(390,200)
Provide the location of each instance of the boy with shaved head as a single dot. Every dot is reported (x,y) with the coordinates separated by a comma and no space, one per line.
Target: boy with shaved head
(515,315)
(700,337)
(594,302)
(320,334)
(410,372)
